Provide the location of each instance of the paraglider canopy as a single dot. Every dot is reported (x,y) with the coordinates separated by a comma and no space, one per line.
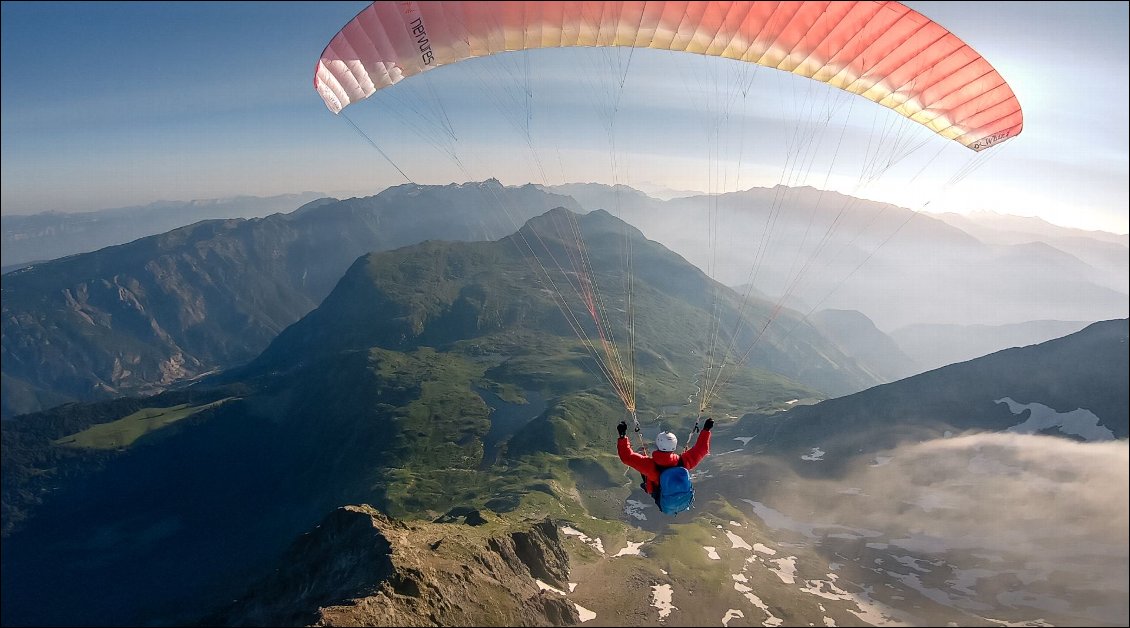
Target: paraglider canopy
(882,51)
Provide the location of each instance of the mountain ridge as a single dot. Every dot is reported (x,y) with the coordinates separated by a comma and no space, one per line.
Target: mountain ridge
(970,395)
(140,317)
(52,235)
(896,265)
(359,567)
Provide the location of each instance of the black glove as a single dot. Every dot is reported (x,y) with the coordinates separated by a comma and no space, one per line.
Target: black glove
(622,428)
(709,424)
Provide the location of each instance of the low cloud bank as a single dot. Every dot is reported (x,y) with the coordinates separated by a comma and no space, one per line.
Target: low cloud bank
(1049,515)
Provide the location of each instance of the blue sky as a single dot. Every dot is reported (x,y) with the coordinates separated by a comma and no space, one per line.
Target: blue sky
(116,104)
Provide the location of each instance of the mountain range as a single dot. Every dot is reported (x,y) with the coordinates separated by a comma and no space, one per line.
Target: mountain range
(934,346)
(433,436)
(899,267)
(136,318)
(161,311)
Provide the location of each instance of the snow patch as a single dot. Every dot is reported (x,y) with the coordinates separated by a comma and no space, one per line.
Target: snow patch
(786,569)
(661,599)
(1078,422)
(747,592)
(635,509)
(826,589)
(815,454)
(768,551)
(633,549)
(912,562)
(737,541)
(596,544)
(941,597)
(549,587)
(584,613)
(732,613)
(875,613)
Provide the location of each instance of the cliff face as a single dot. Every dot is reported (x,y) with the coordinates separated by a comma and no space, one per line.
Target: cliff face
(360,567)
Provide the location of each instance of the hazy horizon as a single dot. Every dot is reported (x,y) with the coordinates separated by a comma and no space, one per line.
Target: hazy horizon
(178,134)
(343,194)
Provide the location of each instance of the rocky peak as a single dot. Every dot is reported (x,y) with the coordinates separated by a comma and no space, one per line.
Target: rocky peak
(361,567)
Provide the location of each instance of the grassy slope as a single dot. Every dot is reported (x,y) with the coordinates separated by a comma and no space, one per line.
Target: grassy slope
(124,431)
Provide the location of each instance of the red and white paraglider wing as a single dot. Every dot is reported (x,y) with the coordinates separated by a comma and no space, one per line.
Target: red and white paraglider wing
(882,51)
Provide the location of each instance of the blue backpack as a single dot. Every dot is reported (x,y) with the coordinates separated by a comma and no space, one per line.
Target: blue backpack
(675,491)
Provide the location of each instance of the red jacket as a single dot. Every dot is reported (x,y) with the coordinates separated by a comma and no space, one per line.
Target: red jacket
(659,460)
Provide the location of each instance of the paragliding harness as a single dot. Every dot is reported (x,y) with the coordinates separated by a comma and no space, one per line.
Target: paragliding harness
(675,493)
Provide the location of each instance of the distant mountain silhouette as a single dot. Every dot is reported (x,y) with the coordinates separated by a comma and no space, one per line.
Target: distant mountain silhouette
(896,266)
(51,235)
(932,346)
(858,337)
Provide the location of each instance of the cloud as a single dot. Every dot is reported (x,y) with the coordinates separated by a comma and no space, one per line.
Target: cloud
(1011,491)
(978,521)
(997,489)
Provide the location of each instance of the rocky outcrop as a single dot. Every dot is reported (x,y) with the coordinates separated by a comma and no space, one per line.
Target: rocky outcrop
(360,567)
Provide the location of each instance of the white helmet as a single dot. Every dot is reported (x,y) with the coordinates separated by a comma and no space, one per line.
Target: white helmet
(666,441)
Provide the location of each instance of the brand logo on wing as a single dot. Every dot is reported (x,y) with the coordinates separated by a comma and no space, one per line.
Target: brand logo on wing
(419,32)
(990,140)
(421,35)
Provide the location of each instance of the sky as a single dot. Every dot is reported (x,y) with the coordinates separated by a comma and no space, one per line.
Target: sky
(119,104)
